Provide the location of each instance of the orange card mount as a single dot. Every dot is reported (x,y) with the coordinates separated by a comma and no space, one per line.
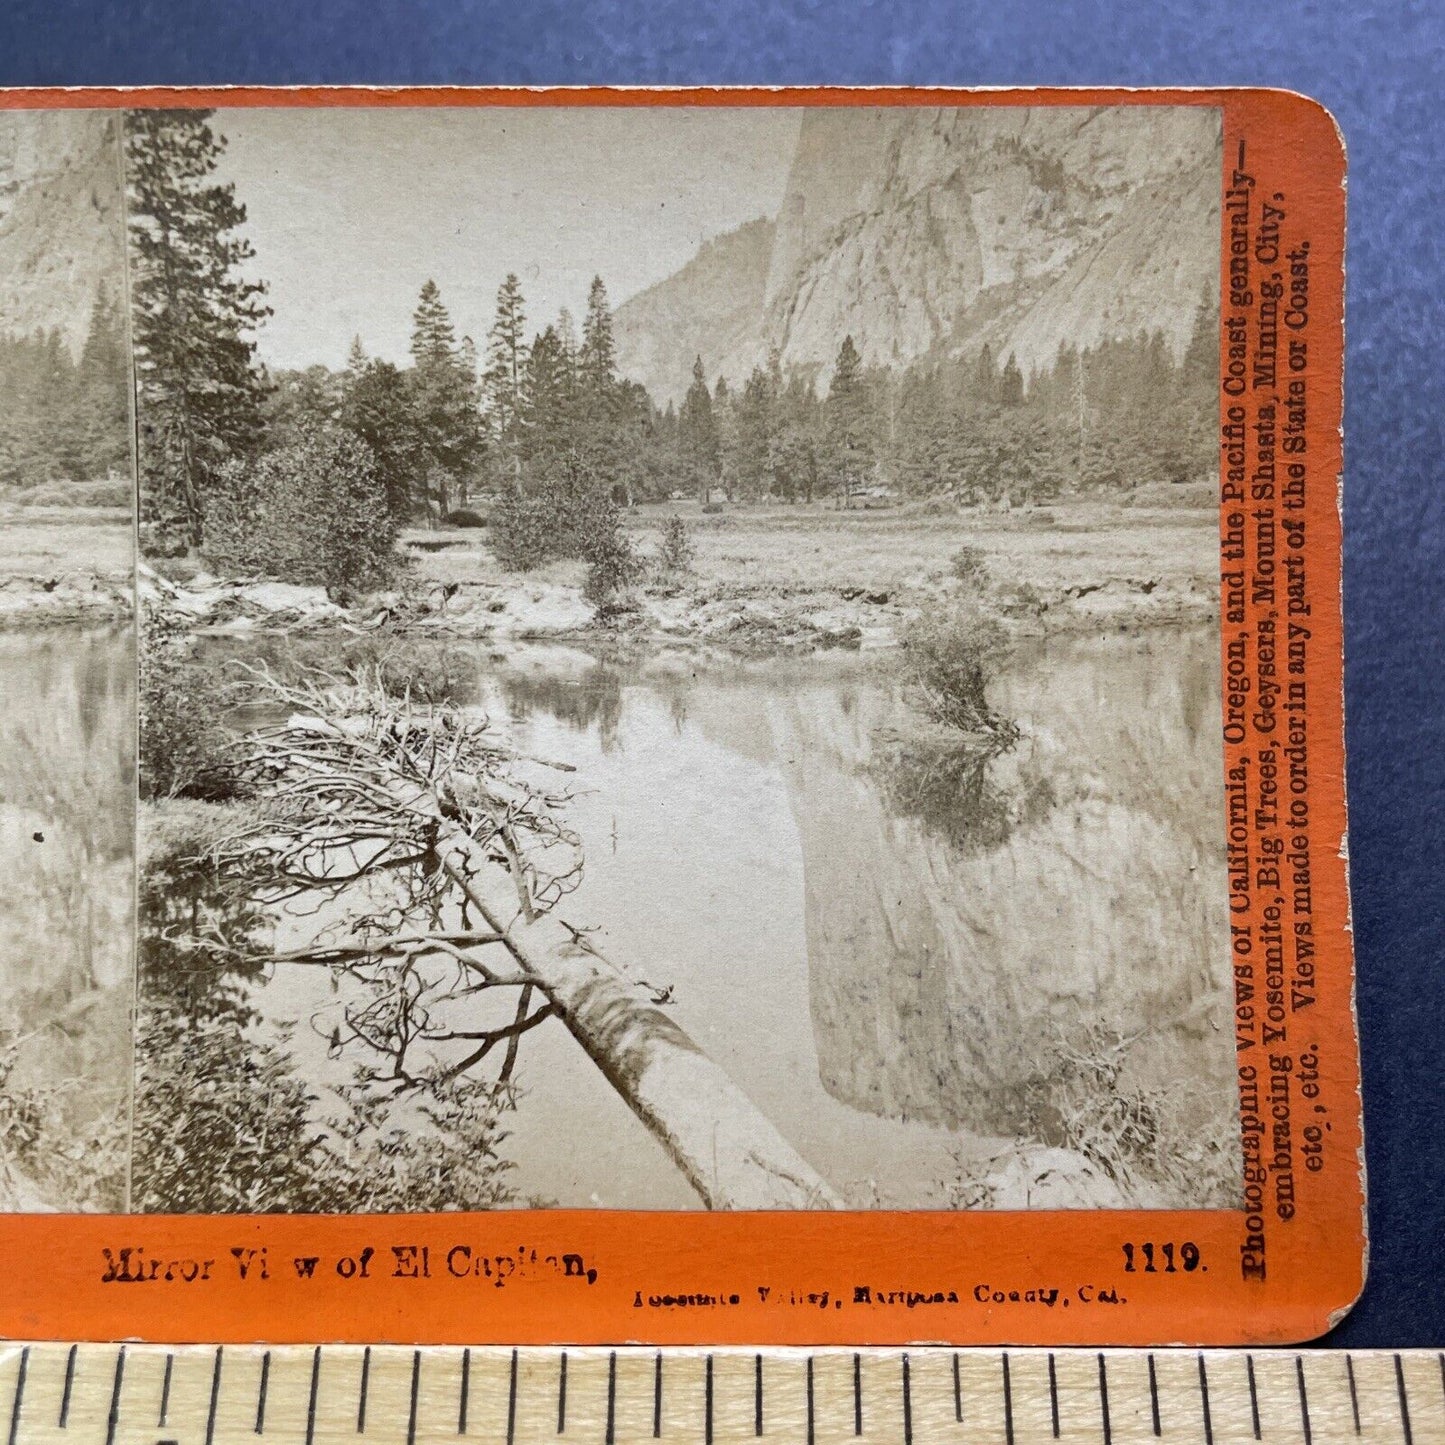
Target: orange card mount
(740,718)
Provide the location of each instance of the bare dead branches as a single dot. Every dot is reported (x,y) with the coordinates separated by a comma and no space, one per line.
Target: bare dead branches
(372,814)
(433,860)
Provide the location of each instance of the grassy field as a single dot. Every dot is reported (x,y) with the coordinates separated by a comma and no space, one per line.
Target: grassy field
(44,541)
(804,549)
(818,549)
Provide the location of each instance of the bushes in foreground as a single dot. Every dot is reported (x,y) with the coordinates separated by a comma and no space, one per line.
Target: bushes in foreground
(255,1126)
(948,657)
(183,744)
(314,512)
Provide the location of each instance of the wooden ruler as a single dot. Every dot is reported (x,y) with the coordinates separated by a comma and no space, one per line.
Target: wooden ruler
(204,1395)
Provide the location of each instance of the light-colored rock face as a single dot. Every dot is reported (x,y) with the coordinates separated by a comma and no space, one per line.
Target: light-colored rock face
(712,307)
(935,231)
(62,226)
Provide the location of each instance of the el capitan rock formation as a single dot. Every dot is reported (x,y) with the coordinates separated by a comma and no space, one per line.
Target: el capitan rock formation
(935,231)
(62,230)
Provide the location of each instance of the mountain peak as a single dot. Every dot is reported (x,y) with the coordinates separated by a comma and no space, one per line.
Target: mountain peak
(934,231)
(61,219)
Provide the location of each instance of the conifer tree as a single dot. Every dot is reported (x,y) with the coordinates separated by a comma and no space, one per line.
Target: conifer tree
(566,328)
(697,433)
(101,412)
(796,467)
(756,433)
(467,357)
(433,337)
(193,314)
(1011,383)
(598,442)
(1197,404)
(983,387)
(54,393)
(850,439)
(378,407)
(597,356)
(506,365)
(1201,357)
(547,406)
(444,396)
(724,418)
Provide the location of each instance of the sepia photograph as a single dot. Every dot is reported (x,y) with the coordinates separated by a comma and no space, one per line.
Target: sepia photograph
(679,659)
(67,666)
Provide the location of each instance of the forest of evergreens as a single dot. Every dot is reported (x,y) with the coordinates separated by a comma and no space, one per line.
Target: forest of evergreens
(542,411)
(66,419)
(1114,416)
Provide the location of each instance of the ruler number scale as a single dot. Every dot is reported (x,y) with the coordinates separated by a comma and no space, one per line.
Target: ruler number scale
(61,1394)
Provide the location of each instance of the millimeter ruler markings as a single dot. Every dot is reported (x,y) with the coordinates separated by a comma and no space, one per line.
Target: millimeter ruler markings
(393,1395)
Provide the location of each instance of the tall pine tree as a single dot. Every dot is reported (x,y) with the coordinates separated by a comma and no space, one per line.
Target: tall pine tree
(444,393)
(849,423)
(506,367)
(433,337)
(193,313)
(756,433)
(599,442)
(697,437)
(101,414)
(548,407)
(597,356)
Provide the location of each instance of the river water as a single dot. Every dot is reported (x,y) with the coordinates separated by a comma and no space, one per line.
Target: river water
(915,968)
(908,973)
(67,817)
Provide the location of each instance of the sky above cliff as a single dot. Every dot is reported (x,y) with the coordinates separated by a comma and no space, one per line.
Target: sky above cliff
(350,211)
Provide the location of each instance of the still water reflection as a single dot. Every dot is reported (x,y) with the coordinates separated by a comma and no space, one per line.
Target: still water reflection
(67,771)
(908,961)
(931,969)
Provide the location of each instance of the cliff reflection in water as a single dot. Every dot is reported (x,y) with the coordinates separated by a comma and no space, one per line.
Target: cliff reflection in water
(940,974)
(67,817)
(1032,943)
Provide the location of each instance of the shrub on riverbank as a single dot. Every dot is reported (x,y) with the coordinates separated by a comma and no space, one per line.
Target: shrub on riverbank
(676,555)
(569,516)
(613,568)
(970,566)
(313,513)
(183,745)
(948,659)
(1144,1135)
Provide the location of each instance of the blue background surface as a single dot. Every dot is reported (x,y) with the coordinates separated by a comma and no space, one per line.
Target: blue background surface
(1379,67)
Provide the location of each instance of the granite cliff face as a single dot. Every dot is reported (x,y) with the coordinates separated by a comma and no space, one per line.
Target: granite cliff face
(935,231)
(62,227)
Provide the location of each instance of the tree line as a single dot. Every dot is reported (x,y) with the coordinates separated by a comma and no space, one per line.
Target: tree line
(246,465)
(66,418)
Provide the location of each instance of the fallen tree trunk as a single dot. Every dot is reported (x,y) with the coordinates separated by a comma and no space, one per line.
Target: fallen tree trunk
(440,788)
(726,1149)
(731,1154)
